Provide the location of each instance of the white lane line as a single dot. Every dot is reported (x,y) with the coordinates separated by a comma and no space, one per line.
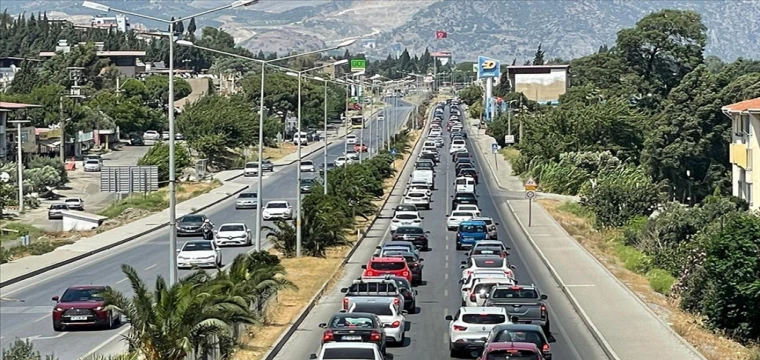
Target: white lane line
(446,276)
(42,318)
(446,293)
(122,280)
(150,267)
(580,285)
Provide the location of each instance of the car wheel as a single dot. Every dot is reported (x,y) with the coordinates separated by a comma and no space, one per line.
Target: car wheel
(57,327)
(453,353)
(110,324)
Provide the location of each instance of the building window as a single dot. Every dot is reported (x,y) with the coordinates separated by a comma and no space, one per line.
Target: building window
(745,125)
(748,193)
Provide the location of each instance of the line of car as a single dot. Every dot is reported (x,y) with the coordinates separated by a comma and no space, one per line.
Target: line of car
(498,319)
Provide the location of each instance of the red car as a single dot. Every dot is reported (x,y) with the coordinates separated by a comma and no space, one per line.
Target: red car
(379,266)
(511,351)
(360,148)
(83,306)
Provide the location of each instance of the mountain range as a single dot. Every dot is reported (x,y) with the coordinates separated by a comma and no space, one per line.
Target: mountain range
(503,29)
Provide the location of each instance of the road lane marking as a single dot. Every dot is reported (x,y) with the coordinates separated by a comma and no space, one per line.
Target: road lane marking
(580,285)
(150,267)
(122,280)
(446,276)
(446,292)
(42,318)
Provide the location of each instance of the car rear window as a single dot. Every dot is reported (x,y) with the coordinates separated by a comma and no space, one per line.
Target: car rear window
(489,262)
(352,321)
(486,319)
(372,287)
(461,213)
(406,216)
(515,293)
(277,205)
(472,228)
(458,142)
(224,228)
(247,195)
(58,206)
(533,337)
(416,194)
(387,265)
(252,165)
(482,250)
(348,354)
(409,230)
(72,200)
(512,354)
(373,308)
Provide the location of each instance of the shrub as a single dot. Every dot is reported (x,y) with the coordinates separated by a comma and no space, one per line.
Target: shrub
(55,163)
(621,195)
(660,280)
(633,259)
(158,155)
(23,350)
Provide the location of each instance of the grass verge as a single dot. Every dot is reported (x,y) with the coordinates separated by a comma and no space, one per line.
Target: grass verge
(158,200)
(632,268)
(308,275)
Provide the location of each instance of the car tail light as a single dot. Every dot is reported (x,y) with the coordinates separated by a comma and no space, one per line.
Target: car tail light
(396,301)
(374,336)
(328,336)
(420,238)
(345,304)
(546,348)
(405,274)
(516,287)
(418,220)
(543,311)
(394,220)
(460,328)
(396,324)
(369,273)
(473,298)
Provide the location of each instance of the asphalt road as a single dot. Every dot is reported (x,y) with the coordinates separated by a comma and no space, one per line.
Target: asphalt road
(25,309)
(427,334)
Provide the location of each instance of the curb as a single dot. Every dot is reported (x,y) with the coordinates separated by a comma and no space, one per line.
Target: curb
(290,163)
(285,337)
(110,246)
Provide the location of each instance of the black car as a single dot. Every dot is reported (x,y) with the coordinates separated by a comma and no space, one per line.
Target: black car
(462,166)
(191,225)
(405,207)
(521,333)
(307,185)
(413,261)
(410,295)
(354,327)
(414,234)
(463,198)
(429,156)
(460,155)
(136,140)
(424,165)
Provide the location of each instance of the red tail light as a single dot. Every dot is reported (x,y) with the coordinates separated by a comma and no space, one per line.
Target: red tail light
(543,311)
(345,304)
(473,298)
(328,336)
(546,348)
(375,336)
(395,220)
(369,273)
(396,301)
(396,324)
(405,274)
(420,238)
(460,328)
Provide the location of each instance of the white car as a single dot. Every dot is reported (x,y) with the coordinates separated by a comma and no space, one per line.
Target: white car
(358,350)
(435,132)
(251,169)
(388,310)
(233,234)
(457,145)
(470,325)
(200,253)
(165,136)
(480,275)
(405,218)
(478,294)
(417,198)
(342,161)
(92,165)
(351,139)
(429,145)
(307,166)
(352,155)
(469,207)
(151,135)
(479,262)
(277,210)
(456,218)
(488,244)
(420,188)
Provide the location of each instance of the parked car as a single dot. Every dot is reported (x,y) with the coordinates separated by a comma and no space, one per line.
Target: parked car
(92,165)
(136,140)
(55,211)
(151,135)
(74,203)
(83,306)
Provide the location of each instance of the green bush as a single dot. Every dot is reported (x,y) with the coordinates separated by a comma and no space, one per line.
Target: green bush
(23,350)
(158,155)
(155,201)
(633,259)
(619,196)
(660,280)
(56,163)
(5,255)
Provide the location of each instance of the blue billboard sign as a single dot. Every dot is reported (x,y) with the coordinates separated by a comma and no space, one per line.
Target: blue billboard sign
(488,68)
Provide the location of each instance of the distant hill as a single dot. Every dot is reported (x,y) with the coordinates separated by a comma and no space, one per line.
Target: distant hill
(497,28)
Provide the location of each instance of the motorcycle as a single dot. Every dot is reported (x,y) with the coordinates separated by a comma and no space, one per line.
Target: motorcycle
(208,231)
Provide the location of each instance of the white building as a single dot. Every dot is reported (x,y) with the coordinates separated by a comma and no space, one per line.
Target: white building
(119,22)
(745,132)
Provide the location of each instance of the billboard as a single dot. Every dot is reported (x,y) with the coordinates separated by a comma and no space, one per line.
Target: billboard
(488,68)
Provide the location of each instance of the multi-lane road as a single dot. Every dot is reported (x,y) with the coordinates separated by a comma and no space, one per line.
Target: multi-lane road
(440,295)
(25,307)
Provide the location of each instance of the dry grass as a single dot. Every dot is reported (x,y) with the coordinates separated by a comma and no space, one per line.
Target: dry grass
(277,153)
(309,276)
(601,244)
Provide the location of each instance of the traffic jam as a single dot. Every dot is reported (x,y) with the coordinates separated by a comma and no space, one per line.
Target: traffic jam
(498,318)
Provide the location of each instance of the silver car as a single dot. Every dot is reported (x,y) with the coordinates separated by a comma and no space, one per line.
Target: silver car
(92,165)
(246,201)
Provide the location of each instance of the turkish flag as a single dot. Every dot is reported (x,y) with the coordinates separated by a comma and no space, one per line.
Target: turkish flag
(440,34)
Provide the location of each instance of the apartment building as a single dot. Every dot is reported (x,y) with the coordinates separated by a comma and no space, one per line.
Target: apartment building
(744,149)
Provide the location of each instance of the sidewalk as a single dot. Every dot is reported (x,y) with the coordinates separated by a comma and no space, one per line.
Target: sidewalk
(625,327)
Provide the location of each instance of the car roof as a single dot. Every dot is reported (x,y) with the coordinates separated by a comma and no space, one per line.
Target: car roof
(86,287)
(277,202)
(232,224)
(495,280)
(386,259)
(525,287)
(518,327)
(467,205)
(513,345)
(407,212)
(485,218)
(482,310)
(373,299)
(348,345)
(198,242)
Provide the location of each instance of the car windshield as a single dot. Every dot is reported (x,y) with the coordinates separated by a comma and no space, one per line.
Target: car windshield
(352,322)
(406,217)
(373,308)
(231,228)
(58,206)
(533,337)
(485,319)
(406,208)
(252,165)
(307,181)
(197,246)
(467,171)
(387,265)
(277,205)
(489,262)
(307,162)
(247,195)
(461,214)
(512,355)
(192,218)
(93,161)
(515,293)
(76,295)
(409,230)
(424,165)
(415,194)
(483,250)
(348,354)
(72,200)
(472,228)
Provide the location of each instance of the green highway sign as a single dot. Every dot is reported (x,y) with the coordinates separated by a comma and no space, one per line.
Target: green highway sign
(358,65)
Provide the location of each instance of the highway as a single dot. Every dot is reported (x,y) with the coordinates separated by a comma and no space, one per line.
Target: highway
(25,311)
(427,334)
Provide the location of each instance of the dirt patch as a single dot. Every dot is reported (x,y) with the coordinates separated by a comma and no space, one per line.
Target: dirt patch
(601,244)
(277,153)
(308,274)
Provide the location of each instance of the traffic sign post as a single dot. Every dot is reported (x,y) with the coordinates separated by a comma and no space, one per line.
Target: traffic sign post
(509,139)
(530,188)
(358,65)
(495,150)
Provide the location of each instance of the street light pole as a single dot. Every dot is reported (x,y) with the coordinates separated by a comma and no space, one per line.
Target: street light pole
(324,160)
(260,175)
(298,180)
(20,163)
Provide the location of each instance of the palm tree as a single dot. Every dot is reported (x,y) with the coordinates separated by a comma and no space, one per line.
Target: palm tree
(173,321)
(283,237)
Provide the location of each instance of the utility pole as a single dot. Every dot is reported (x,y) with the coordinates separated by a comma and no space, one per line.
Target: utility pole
(20,163)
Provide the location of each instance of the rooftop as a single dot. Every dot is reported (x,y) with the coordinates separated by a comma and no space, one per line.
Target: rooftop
(519,67)
(751,105)
(16,106)
(135,53)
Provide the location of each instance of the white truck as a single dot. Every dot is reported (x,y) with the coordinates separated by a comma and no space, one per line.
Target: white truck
(424,175)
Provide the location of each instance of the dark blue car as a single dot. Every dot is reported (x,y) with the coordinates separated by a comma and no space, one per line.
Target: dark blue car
(470,232)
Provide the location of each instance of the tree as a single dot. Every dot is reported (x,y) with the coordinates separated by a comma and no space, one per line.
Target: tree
(158,155)
(24,350)
(471,94)
(616,199)
(538,58)
(173,321)
(191,26)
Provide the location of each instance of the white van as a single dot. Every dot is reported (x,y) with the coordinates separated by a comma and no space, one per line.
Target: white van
(301,137)
(424,175)
(429,145)
(465,185)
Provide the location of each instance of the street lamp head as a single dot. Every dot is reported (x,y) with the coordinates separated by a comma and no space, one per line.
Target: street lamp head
(239,3)
(346,43)
(96,6)
(290,73)
(340,62)
(358,73)
(184,43)
(317,78)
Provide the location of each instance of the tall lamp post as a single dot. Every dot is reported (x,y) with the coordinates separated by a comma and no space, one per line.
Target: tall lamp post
(264,64)
(299,75)
(20,164)
(170,108)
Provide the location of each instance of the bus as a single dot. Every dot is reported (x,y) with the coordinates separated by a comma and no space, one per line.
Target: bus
(357,122)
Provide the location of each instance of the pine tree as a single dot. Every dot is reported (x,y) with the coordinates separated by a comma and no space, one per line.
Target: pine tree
(191,26)
(538,59)
(180,27)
